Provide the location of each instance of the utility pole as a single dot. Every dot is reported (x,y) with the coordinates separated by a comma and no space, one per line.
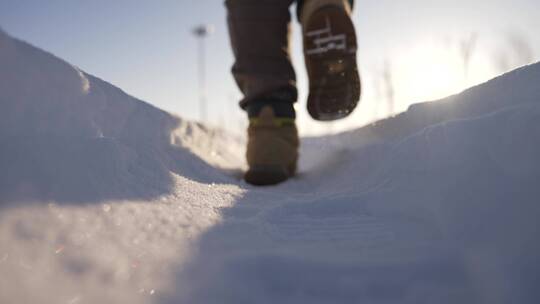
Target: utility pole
(201,32)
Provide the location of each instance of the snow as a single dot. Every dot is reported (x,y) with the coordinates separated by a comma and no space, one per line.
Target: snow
(107,199)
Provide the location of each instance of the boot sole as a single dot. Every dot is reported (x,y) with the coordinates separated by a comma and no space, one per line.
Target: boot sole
(266,175)
(330,55)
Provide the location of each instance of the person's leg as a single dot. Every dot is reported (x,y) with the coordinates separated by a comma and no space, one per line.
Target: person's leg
(300,5)
(259,32)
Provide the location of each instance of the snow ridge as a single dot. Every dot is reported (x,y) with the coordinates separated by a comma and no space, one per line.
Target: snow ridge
(69,136)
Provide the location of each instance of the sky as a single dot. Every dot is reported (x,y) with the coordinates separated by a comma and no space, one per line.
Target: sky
(409,51)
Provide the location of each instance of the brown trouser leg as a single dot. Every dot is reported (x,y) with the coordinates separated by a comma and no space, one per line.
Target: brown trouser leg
(259,32)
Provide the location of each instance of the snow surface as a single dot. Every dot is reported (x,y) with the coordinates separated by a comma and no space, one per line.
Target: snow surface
(107,199)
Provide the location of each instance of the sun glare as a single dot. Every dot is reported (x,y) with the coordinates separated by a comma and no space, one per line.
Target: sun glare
(427,72)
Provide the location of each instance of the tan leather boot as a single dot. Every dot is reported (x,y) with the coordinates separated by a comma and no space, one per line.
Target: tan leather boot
(272,148)
(330,56)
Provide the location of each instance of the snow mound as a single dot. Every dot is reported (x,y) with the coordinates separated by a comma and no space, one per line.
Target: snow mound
(515,88)
(69,136)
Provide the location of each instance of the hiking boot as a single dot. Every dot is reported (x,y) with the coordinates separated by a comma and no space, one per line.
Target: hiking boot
(272,148)
(330,56)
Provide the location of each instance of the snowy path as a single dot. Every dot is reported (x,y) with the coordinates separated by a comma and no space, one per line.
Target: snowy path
(106,199)
(432,218)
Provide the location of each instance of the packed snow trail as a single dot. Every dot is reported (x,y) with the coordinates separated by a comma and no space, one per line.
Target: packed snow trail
(447,215)
(106,199)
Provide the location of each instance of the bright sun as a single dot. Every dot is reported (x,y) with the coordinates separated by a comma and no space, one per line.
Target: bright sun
(427,73)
